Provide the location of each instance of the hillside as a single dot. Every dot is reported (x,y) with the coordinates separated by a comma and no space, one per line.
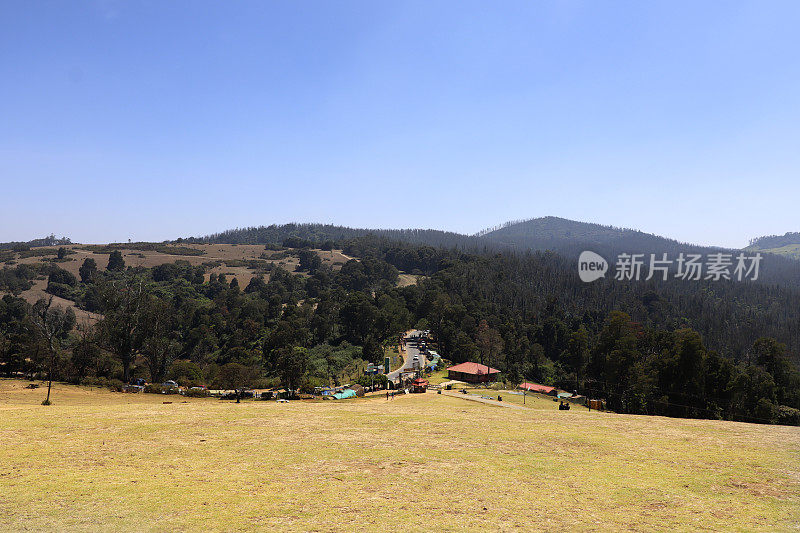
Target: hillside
(787,245)
(700,348)
(240,262)
(555,228)
(430,462)
(565,237)
(570,238)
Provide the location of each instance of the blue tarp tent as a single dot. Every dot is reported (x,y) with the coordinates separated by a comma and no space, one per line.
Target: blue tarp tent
(347,393)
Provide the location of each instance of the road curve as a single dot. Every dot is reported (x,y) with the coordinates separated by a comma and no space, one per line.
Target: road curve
(411,351)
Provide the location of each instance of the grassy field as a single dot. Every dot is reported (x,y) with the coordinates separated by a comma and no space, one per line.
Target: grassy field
(97,460)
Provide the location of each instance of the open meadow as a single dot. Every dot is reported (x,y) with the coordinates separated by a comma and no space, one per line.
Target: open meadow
(97,460)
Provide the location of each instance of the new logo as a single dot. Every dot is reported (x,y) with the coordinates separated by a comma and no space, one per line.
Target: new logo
(591,266)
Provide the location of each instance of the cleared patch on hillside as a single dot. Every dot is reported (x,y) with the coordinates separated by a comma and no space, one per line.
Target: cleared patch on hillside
(404,280)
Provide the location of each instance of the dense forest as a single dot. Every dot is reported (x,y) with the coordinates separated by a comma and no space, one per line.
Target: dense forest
(701,349)
(567,238)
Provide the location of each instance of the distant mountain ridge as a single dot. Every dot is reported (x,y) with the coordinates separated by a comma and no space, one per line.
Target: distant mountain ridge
(567,235)
(567,238)
(545,233)
(556,227)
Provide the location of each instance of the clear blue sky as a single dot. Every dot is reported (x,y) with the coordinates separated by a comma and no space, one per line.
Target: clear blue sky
(153,120)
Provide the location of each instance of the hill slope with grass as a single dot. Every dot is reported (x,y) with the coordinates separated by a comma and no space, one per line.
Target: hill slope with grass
(99,460)
(787,245)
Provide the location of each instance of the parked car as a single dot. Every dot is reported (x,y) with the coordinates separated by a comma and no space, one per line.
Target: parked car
(139,382)
(170,384)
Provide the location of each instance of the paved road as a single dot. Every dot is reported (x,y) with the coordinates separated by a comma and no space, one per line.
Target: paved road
(411,351)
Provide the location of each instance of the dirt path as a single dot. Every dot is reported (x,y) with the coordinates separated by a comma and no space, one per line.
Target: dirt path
(482,400)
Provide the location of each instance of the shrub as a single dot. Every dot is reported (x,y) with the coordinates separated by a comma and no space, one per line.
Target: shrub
(115,385)
(59,275)
(366,380)
(185,373)
(766,410)
(197,393)
(60,290)
(92,381)
(111,384)
(788,416)
(297,242)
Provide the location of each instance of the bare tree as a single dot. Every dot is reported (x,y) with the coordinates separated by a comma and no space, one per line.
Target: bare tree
(52,325)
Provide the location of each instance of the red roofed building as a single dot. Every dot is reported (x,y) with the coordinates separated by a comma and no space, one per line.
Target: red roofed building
(535,387)
(472,373)
(419,385)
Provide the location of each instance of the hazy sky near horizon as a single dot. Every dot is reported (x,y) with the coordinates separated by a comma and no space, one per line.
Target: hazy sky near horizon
(159,119)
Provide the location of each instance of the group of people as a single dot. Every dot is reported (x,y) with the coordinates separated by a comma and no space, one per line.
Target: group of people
(563,406)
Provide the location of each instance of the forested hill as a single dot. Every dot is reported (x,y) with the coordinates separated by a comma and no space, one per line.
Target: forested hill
(568,238)
(320,233)
(547,233)
(787,245)
(701,349)
(571,237)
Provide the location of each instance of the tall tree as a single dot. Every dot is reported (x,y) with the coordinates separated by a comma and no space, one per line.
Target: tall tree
(236,377)
(293,364)
(489,343)
(85,353)
(124,326)
(578,353)
(115,262)
(160,345)
(88,270)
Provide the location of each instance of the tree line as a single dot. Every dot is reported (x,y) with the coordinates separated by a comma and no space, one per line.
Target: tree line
(708,350)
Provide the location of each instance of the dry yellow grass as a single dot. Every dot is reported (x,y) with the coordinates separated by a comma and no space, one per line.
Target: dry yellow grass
(101,461)
(405,280)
